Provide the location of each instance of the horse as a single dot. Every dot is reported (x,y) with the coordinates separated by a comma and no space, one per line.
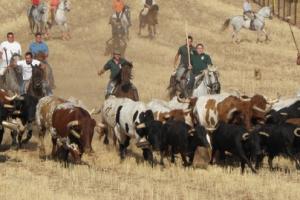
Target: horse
(38,17)
(124,87)
(11,80)
(204,84)
(258,24)
(150,19)
(50,83)
(208,85)
(61,18)
(117,41)
(36,86)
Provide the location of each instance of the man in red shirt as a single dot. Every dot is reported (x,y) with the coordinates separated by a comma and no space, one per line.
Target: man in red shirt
(53,7)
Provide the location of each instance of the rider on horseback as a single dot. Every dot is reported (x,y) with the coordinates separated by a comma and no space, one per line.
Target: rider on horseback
(248,13)
(147,5)
(27,66)
(200,62)
(114,65)
(184,60)
(53,8)
(118,6)
(35,4)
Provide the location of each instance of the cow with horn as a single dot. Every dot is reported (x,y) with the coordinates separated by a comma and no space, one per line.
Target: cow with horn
(70,125)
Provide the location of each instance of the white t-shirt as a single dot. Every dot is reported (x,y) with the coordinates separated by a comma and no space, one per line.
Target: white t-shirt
(27,69)
(11,48)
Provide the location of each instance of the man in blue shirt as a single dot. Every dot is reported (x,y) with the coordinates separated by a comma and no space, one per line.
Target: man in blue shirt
(40,51)
(39,46)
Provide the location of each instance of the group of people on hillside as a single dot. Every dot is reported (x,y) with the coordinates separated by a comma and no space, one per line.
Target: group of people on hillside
(11,47)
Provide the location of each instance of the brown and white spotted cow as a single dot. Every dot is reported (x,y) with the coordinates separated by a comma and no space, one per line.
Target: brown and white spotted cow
(74,127)
(210,110)
(44,112)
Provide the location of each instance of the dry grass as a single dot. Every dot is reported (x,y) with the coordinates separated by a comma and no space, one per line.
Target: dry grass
(24,176)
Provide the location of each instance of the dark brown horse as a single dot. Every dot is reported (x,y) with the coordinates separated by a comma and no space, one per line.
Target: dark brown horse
(36,85)
(124,87)
(47,68)
(150,20)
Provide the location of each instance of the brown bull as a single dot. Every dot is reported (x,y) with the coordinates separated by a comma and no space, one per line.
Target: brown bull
(5,99)
(243,110)
(75,125)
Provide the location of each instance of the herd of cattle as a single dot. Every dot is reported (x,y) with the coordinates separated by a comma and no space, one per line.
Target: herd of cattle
(248,128)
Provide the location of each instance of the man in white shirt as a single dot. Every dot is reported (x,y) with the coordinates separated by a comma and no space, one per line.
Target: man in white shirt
(26,66)
(7,49)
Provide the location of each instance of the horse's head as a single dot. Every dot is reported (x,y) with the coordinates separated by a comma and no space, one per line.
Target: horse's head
(40,56)
(15,58)
(211,80)
(65,5)
(37,78)
(126,72)
(266,12)
(154,9)
(43,8)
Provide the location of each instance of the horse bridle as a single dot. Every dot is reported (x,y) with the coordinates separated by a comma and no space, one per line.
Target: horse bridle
(212,87)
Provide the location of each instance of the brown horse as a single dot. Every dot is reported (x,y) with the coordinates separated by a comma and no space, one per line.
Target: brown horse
(48,70)
(150,19)
(124,87)
(36,85)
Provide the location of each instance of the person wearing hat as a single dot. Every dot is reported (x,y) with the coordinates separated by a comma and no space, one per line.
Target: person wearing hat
(200,61)
(114,65)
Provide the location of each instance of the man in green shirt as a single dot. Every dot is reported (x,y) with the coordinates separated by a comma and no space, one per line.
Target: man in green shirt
(199,61)
(184,58)
(114,65)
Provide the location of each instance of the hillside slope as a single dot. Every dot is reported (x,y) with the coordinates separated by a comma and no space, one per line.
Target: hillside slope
(75,63)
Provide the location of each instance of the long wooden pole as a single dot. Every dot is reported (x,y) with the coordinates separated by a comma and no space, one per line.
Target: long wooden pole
(187,43)
(295,42)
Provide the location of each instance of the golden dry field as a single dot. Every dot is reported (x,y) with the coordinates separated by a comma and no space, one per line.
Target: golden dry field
(24,176)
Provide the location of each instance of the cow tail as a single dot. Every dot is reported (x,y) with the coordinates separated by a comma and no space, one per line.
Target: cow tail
(226,24)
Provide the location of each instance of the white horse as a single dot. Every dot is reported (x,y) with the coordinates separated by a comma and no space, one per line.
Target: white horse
(209,85)
(125,20)
(61,18)
(258,24)
(38,17)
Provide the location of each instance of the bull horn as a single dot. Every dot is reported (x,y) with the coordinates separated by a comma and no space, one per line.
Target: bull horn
(10,125)
(10,98)
(191,132)
(259,109)
(284,114)
(245,136)
(229,115)
(211,129)
(296,132)
(17,112)
(142,125)
(94,111)
(183,100)
(187,110)
(75,134)
(73,123)
(264,134)
(8,106)
(101,125)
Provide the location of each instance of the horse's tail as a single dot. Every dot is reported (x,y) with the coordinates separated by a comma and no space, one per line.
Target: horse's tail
(226,24)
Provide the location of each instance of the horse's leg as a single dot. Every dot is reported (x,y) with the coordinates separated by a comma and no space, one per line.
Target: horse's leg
(258,36)
(266,34)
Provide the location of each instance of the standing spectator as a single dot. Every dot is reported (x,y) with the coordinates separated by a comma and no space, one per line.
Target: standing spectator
(7,50)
